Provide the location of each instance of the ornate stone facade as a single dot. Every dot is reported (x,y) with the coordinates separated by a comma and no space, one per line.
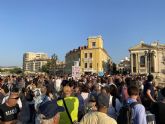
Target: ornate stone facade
(147,59)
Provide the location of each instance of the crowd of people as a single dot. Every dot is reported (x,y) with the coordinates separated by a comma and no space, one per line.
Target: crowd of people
(91,99)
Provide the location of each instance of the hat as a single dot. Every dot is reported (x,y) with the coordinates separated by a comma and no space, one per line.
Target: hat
(163,92)
(103,100)
(50,108)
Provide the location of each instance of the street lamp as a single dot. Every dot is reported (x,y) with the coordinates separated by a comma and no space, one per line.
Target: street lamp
(149,53)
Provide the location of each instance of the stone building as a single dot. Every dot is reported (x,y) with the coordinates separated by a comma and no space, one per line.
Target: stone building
(92,58)
(147,59)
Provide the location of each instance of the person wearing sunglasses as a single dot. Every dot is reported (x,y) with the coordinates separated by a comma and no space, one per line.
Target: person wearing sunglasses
(9,110)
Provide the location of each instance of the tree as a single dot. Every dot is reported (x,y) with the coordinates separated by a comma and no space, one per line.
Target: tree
(51,65)
(54,59)
(16,71)
(114,69)
(45,68)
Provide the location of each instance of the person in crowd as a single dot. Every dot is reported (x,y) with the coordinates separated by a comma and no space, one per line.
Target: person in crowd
(70,103)
(91,107)
(4,91)
(114,103)
(139,115)
(28,112)
(9,110)
(49,112)
(96,90)
(148,93)
(158,108)
(81,109)
(14,90)
(1,81)
(100,116)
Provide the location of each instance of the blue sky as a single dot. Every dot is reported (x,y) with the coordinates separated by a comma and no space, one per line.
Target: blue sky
(57,26)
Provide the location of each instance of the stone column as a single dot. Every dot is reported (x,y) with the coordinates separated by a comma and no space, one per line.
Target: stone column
(146,64)
(137,63)
(131,56)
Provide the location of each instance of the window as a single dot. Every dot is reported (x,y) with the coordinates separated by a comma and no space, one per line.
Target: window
(142,61)
(93,44)
(90,55)
(86,55)
(86,65)
(90,65)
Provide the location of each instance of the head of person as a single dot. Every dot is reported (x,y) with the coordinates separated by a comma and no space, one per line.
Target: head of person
(67,89)
(110,79)
(1,80)
(133,91)
(103,102)
(48,112)
(97,87)
(113,90)
(13,98)
(77,90)
(150,77)
(43,90)
(92,102)
(105,90)
(128,81)
(4,89)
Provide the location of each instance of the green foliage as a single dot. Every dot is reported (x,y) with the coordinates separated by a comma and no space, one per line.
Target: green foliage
(16,71)
(45,68)
(51,65)
(114,69)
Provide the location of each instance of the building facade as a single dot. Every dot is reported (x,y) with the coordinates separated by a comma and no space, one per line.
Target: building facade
(92,58)
(33,62)
(147,59)
(124,66)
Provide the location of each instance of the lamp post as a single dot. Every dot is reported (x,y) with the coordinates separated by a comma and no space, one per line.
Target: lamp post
(149,53)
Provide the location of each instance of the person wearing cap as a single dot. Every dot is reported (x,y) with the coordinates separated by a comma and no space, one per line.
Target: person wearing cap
(9,110)
(100,116)
(158,108)
(49,112)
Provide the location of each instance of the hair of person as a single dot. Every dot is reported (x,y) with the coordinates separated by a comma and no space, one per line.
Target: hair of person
(15,89)
(113,90)
(133,90)
(128,81)
(5,88)
(150,77)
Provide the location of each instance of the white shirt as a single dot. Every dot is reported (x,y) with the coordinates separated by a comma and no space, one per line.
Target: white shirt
(57,85)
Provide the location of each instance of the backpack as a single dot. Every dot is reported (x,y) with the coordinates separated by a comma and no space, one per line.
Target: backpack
(125,114)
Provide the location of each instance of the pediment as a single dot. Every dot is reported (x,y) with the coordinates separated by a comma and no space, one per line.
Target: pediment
(141,46)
